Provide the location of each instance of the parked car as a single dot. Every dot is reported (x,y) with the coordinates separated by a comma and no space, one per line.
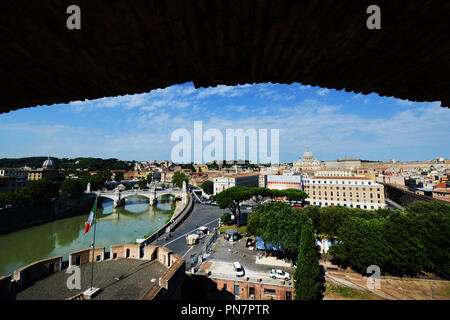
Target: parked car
(279,274)
(238,269)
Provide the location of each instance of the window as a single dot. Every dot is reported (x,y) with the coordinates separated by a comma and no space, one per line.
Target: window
(251,291)
(371,195)
(270,292)
(236,290)
(378,196)
(288,295)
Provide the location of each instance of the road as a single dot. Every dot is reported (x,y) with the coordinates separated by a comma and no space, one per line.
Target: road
(201,215)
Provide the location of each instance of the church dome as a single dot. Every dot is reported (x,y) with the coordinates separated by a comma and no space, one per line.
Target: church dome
(48,164)
(308,155)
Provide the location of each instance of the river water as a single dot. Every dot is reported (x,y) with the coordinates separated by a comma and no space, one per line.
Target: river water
(58,238)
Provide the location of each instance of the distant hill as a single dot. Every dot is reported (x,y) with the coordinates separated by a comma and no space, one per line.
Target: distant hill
(33,162)
(91,164)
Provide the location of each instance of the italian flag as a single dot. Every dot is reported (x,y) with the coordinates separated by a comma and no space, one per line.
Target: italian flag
(91,217)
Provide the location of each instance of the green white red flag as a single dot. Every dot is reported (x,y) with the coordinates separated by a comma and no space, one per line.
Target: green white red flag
(91,217)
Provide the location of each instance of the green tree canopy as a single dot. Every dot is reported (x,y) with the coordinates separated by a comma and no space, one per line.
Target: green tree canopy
(178,178)
(307,272)
(72,188)
(277,222)
(118,176)
(142,184)
(208,186)
(361,243)
(231,198)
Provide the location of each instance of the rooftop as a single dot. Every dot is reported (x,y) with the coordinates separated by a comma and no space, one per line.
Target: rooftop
(342,178)
(139,276)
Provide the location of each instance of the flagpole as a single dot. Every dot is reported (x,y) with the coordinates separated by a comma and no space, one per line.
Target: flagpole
(93,243)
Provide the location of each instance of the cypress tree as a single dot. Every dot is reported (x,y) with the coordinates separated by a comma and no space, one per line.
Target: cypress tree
(307,273)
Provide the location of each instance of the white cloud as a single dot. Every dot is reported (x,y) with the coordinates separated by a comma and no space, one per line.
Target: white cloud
(322,92)
(403,102)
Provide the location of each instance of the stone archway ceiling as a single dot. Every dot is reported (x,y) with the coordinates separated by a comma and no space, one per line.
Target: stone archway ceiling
(128,47)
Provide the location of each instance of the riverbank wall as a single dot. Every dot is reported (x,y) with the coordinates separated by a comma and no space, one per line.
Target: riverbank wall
(18,218)
(176,220)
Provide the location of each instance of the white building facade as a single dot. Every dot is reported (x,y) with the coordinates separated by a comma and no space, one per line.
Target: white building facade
(352,192)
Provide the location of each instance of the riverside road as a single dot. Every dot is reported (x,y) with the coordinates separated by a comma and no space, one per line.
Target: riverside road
(201,215)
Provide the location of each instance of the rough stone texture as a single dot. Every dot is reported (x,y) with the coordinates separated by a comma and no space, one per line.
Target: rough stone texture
(134,46)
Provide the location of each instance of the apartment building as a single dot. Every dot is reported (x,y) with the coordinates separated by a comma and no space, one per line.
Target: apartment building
(352,192)
(225,182)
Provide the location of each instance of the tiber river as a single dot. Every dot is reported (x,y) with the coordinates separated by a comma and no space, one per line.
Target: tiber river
(58,238)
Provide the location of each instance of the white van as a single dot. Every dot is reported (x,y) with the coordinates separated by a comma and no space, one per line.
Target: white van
(239,269)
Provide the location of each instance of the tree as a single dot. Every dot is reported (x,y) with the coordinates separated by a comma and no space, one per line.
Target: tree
(142,184)
(72,188)
(313,213)
(294,195)
(178,178)
(259,194)
(277,222)
(208,186)
(331,219)
(430,221)
(361,243)
(149,177)
(406,251)
(225,218)
(107,175)
(307,273)
(118,176)
(231,198)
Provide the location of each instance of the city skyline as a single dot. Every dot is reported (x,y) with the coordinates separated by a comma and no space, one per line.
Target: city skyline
(333,124)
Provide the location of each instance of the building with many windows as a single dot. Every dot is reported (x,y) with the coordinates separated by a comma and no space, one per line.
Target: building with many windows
(352,192)
(225,182)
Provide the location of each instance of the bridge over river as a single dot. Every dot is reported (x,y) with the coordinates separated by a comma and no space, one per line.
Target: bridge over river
(152,194)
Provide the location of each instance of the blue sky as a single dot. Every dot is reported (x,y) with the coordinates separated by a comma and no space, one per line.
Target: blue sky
(333,124)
